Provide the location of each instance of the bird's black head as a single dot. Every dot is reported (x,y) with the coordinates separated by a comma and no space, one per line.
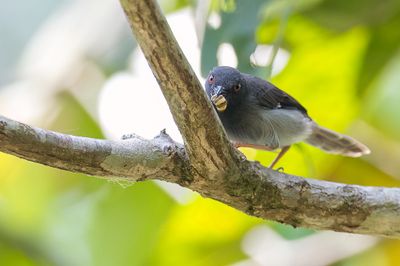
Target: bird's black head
(225,87)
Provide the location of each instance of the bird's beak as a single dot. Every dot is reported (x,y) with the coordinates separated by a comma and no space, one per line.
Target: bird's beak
(219,100)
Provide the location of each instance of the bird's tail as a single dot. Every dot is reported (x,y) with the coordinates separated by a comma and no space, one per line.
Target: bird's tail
(336,143)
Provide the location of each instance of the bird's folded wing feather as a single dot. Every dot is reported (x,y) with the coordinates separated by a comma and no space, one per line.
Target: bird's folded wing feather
(271,97)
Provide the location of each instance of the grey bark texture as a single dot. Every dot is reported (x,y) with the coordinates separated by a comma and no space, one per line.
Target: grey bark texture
(207,163)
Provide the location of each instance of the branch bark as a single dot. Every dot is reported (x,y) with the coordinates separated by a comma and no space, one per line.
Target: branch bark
(207,164)
(133,159)
(256,190)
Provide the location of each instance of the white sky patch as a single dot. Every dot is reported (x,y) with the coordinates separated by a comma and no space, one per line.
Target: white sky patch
(226,55)
(214,20)
(18,102)
(56,58)
(133,102)
(262,54)
(266,247)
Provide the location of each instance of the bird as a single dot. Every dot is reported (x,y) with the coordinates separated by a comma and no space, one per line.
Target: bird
(257,114)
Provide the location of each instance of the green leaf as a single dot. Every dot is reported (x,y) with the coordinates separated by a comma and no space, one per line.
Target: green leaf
(382,105)
(73,119)
(342,15)
(13,254)
(170,6)
(203,232)
(290,233)
(383,44)
(126,224)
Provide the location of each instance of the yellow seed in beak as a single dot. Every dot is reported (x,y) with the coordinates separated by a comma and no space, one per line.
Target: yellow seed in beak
(219,102)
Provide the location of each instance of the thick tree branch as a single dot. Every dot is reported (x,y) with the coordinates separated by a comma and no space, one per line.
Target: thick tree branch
(257,191)
(133,159)
(208,164)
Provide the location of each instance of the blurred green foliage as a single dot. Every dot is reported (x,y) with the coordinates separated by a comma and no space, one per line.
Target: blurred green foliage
(344,67)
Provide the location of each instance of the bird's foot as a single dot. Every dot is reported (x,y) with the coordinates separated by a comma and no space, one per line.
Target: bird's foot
(265,148)
(280,155)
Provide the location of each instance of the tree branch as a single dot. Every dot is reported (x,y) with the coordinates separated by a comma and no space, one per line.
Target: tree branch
(208,164)
(133,159)
(257,191)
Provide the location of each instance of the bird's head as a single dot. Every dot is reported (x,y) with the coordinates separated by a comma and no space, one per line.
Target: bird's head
(225,87)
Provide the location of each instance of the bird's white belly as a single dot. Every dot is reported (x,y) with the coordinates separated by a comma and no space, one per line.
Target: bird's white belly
(275,128)
(288,126)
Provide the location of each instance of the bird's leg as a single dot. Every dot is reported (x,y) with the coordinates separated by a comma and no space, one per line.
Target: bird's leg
(279,156)
(266,148)
(254,146)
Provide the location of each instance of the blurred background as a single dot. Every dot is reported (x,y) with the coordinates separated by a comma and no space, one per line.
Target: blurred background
(74,67)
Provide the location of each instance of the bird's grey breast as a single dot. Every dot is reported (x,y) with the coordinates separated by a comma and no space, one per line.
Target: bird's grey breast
(274,128)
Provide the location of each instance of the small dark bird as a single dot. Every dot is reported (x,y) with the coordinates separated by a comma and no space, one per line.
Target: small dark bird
(257,114)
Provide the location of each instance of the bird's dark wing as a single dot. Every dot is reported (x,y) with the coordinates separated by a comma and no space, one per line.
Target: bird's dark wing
(269,96)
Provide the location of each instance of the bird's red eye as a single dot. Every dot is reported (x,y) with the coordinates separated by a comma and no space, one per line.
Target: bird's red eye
(237,87)
(211,79)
